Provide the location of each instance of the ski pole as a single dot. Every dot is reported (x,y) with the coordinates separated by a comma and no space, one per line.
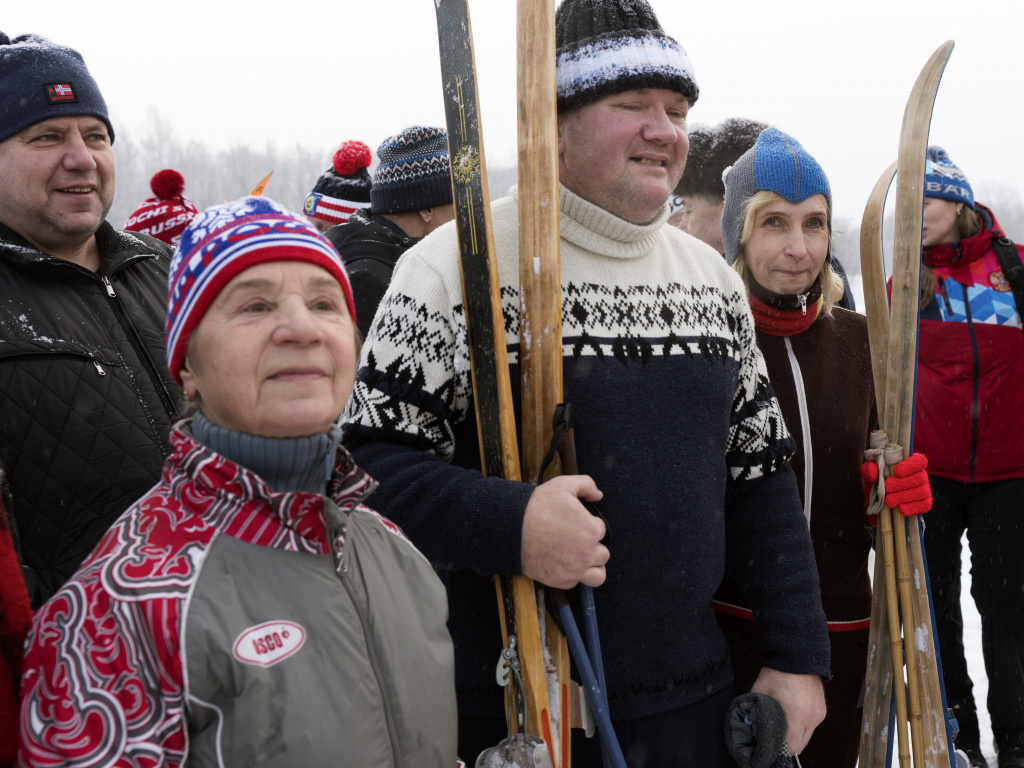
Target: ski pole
(594,649)
(598,700)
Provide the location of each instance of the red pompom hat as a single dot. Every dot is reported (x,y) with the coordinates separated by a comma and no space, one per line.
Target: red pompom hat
(344,188)
(165,215)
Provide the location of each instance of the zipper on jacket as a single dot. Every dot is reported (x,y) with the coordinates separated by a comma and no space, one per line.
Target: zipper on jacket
(945,297)
(333,517)
(805,425)
(803,303)
(141,351)
(976,384)
(99,368)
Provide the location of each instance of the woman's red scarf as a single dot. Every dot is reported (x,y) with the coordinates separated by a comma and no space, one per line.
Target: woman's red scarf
(779,315)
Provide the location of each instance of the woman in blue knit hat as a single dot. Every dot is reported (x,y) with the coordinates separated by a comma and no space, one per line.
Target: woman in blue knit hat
(970,421)
(249,608)
(777,231)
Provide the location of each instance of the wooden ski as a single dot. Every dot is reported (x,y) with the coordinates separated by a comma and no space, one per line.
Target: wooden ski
(884,634)
(540,300)
(492,392)
(899,403)
(927,715)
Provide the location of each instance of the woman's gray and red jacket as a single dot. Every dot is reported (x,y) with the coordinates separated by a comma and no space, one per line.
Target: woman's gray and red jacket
(214,625)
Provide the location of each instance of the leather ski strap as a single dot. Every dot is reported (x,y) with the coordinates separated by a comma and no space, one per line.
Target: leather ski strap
(1013,270)
(563,442)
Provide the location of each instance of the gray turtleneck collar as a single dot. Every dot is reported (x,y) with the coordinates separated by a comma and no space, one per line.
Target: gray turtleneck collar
(286,463)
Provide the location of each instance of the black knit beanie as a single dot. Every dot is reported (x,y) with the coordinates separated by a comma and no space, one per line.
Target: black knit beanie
(712,150)
(40,80)
(343,188)
(611,46)
(413,172)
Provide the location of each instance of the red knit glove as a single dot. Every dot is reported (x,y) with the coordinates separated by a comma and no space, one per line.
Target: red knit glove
(908,488)
(869,471)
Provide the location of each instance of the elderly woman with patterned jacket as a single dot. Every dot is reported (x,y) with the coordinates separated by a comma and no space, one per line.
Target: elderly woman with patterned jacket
(970,422)
(777,230)
(249,608)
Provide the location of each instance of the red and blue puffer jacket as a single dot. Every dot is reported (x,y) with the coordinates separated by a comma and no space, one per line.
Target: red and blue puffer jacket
(969,417)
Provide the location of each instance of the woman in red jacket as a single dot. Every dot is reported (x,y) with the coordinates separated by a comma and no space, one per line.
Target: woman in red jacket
(970,423)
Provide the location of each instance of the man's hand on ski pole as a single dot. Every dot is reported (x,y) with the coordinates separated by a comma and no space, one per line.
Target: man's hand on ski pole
(561,539)
(802,698)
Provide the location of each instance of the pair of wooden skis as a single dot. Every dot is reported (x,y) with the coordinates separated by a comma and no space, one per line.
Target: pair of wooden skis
(529,632)
(900,586)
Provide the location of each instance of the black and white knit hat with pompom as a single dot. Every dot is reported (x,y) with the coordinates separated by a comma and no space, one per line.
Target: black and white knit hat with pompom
(611,46)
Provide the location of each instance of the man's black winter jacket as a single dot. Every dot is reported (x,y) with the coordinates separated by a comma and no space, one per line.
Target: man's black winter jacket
(369,247)
(86,402)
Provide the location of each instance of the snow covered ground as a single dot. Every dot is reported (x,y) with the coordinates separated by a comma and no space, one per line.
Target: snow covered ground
(975,662)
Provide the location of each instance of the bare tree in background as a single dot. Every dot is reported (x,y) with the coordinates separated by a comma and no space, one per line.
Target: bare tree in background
(214,176)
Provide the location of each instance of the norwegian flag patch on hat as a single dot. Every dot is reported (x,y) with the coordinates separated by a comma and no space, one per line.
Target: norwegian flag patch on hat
(60,93)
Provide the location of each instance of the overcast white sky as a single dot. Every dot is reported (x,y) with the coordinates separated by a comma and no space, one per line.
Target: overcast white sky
(835,75)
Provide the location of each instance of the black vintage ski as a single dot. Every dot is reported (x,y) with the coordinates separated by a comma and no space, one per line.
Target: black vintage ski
(492,391)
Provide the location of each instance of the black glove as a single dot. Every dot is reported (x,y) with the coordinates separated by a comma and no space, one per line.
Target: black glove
(755,732)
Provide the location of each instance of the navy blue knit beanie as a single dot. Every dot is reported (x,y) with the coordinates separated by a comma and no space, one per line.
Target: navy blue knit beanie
(610,46)
(776,163)
(40,80)
(942,179)
(413,173)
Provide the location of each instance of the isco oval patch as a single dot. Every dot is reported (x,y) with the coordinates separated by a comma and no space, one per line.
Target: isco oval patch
(268,643)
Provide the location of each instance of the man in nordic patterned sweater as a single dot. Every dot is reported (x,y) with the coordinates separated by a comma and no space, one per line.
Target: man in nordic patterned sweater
(678,427)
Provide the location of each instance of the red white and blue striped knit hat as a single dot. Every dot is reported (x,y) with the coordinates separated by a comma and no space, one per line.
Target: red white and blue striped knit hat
(343,188)
(610,46)
(224,240)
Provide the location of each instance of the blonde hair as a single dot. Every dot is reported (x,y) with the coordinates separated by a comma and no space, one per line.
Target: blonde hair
(831,282)
(968,223)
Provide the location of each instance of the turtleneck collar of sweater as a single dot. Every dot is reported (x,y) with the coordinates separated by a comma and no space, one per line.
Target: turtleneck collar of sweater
(288,464)
(784,314)
(594,229)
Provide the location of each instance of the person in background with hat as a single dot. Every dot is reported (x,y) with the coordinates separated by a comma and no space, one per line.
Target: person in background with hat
(410,198)
(777,234)
(166,214)
(342,189)
(701,191)
(85,406)
(678,431)
(969,419)
(249,608)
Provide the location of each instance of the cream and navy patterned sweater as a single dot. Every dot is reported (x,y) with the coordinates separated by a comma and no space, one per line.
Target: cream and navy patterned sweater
(678,425)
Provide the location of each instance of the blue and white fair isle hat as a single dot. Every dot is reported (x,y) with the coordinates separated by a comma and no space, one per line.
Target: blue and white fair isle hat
(776,163)
(942,179)
(610,46)
(224,240)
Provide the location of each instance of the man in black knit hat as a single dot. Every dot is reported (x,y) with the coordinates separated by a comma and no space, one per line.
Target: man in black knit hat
(678,429)
(411,196)
(86,402)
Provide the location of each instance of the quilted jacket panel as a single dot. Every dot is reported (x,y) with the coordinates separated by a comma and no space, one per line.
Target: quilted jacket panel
(86,402)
